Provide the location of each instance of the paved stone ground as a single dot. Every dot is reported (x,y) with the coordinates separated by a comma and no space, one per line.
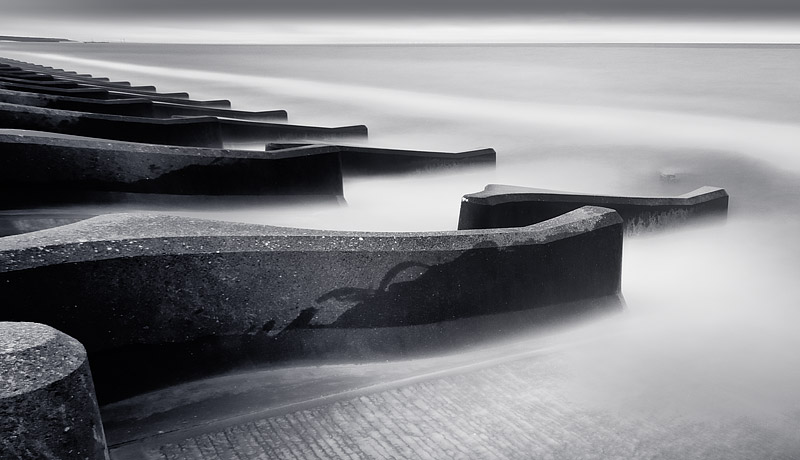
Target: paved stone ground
(534,407)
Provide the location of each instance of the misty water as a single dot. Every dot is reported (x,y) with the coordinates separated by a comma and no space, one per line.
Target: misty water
(713,314)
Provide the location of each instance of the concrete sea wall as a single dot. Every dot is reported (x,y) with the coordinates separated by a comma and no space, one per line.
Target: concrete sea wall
(500,206)
(157,299)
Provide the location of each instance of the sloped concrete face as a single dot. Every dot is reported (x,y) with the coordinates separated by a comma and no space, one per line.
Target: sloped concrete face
(359,160)
(195,132)
(35,169)
(48,407)
(173,297)
(499,206)
(131,107)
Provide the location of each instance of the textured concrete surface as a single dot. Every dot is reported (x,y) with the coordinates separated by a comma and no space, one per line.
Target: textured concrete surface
(36,168)
(48,407)
(361,160)
(519,400)
(510,206)
(236,293)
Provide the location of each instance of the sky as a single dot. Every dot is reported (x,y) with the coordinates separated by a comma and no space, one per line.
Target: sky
(360,21)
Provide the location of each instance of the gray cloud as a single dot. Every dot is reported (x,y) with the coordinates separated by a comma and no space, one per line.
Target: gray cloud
(316,8)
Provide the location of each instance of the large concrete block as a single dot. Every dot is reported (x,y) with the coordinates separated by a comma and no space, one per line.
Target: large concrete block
(193,131)
(48,408)
(43,81)
(196,132)
(157,299)
(252,131)
(500,206)
(89,93)
(36,169)
(135,107)
(361,160)
(130,107)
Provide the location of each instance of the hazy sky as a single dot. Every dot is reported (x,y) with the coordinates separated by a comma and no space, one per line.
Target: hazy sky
(406,7)
(311,21)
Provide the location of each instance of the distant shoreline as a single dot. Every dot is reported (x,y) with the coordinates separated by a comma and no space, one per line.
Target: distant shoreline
(11,38)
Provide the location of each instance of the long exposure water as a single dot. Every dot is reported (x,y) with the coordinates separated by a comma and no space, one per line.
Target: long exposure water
(713,312)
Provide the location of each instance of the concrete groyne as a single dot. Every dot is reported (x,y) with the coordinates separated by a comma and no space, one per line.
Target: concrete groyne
(134,107)
(363,160)
(156,298)
(196,132)
(190,131)
(36,169)
(500,206)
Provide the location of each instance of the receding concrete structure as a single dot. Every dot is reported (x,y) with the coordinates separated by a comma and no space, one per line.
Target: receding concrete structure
(37,169)
(193,131)
(135,107)
(499,206)
(43,81)
(362,160)
(196,132)
(95,92)
(48,407)
(89,93)
(156,298)
(253,131)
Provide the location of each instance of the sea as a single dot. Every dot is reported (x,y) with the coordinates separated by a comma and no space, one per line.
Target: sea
(712,324)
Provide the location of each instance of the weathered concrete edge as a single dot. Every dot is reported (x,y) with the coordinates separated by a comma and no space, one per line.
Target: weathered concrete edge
(495,194)
(131,235)
(71,142)
(292,146)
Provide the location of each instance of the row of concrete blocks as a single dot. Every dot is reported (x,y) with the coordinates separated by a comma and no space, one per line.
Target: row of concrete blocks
(153,241)
(158,299)
(131,141)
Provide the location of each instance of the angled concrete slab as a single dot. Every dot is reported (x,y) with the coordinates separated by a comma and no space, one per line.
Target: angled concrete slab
(196,132)
(135,107)
(91,93)
(500,206)
(172,298)
(190,131)
(37,169)
(362,160)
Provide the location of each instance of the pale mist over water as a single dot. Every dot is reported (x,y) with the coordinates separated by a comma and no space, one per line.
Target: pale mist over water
(713,312)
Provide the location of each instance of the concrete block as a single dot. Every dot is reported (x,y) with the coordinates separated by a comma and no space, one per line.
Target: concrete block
(510,206)
(130,107)
(158,299)
(196,132)
(48,407)
(360,160)
(252,131)
(91,93)
(134,107)
(36,169)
